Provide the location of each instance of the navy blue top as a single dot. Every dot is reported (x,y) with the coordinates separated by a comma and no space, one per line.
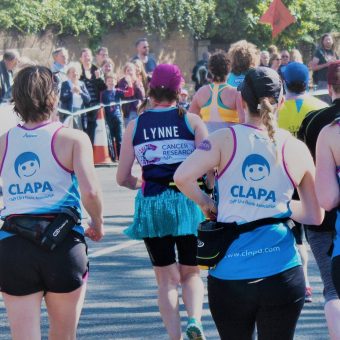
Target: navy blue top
(109,96)
(66,95)
(162,141)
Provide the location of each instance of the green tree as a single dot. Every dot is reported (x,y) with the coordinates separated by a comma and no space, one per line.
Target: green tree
(221,20)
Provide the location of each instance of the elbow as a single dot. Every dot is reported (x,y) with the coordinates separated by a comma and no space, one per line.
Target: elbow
(317,218)
(179,179)
(90,195)
(328,202)
(122,180)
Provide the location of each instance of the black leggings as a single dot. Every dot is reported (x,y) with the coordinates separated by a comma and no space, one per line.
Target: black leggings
(336,273)
(273,304)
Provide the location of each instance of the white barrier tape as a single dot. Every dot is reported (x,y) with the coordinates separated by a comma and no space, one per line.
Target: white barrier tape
(96,107)
(319,92)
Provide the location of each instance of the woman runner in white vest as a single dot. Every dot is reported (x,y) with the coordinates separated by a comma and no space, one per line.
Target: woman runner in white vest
(45,167)
(260,279)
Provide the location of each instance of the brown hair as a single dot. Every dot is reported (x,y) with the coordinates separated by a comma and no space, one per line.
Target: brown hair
(35,93)
(162,94)
(243,56)
(219,66)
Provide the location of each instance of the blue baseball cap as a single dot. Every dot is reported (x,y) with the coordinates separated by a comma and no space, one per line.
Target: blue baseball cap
(296,73)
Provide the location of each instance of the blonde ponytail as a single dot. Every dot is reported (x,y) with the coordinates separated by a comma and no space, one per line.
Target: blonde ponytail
(267,114)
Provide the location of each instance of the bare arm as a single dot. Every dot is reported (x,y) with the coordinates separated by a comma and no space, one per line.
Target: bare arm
(91,195)
(3,145)
(201,133)
(301,167)
(315,66)
(127,156)
(195,106)
(327,187)
(205,158)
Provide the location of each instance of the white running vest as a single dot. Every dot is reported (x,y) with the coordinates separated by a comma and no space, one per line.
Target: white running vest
(34,180)
(255,183)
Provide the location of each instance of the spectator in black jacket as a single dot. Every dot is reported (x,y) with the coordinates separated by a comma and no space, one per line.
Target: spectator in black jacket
(7,65)
(200,73)
(95,84)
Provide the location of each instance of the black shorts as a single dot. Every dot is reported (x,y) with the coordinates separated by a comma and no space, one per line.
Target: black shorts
(25,268)
(162,250)
(298,233)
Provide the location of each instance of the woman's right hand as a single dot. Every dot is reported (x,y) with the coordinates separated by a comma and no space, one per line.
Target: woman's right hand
(209,209)
(95,231)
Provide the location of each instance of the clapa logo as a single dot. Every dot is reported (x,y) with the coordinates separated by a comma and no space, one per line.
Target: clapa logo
(26,165)
(255,168)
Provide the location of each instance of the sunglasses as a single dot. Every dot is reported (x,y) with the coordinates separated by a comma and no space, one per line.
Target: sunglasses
(285,56)
(145,47)
(278,59)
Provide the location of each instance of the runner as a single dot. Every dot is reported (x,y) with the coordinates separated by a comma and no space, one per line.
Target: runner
(327,186)
(41,164)
(297,104)
(218,104)
(260,280)
(161,138)
(243,56)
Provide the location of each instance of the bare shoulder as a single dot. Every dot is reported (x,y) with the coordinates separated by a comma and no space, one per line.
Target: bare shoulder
(72,135)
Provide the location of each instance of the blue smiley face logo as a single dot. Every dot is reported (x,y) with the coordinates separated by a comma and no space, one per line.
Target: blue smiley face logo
(27,164)
(255,168)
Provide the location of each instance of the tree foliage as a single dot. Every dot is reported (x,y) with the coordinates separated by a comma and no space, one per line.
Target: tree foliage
(224,20)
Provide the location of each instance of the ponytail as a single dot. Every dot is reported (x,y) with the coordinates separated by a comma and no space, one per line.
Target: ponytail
(142,106)
(267,114)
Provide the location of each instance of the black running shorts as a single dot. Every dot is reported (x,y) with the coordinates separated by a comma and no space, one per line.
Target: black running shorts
(25,268)
(162,250)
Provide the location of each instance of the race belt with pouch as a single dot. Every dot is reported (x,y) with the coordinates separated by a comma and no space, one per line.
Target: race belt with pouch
(215,238)
(45,230)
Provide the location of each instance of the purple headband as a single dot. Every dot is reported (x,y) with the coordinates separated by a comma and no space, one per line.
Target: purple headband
(166,76)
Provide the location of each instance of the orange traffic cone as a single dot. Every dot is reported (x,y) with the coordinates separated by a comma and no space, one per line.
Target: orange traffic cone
(100,146)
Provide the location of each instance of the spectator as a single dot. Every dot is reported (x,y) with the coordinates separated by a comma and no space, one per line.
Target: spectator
(200,71)
(107,67)
(130,80)
(7,65)
(323,56)
(264,58)
(141,74)
(113,113)
(149,62)
(285,58)
(295,55)
(60,61)
(74,95)
(275,61)
(272,49)
(183,99)
(101,55)
(320,238)
(243,56)
(95,84)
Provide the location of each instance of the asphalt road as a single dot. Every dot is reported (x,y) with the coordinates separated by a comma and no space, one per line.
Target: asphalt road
(121,300)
